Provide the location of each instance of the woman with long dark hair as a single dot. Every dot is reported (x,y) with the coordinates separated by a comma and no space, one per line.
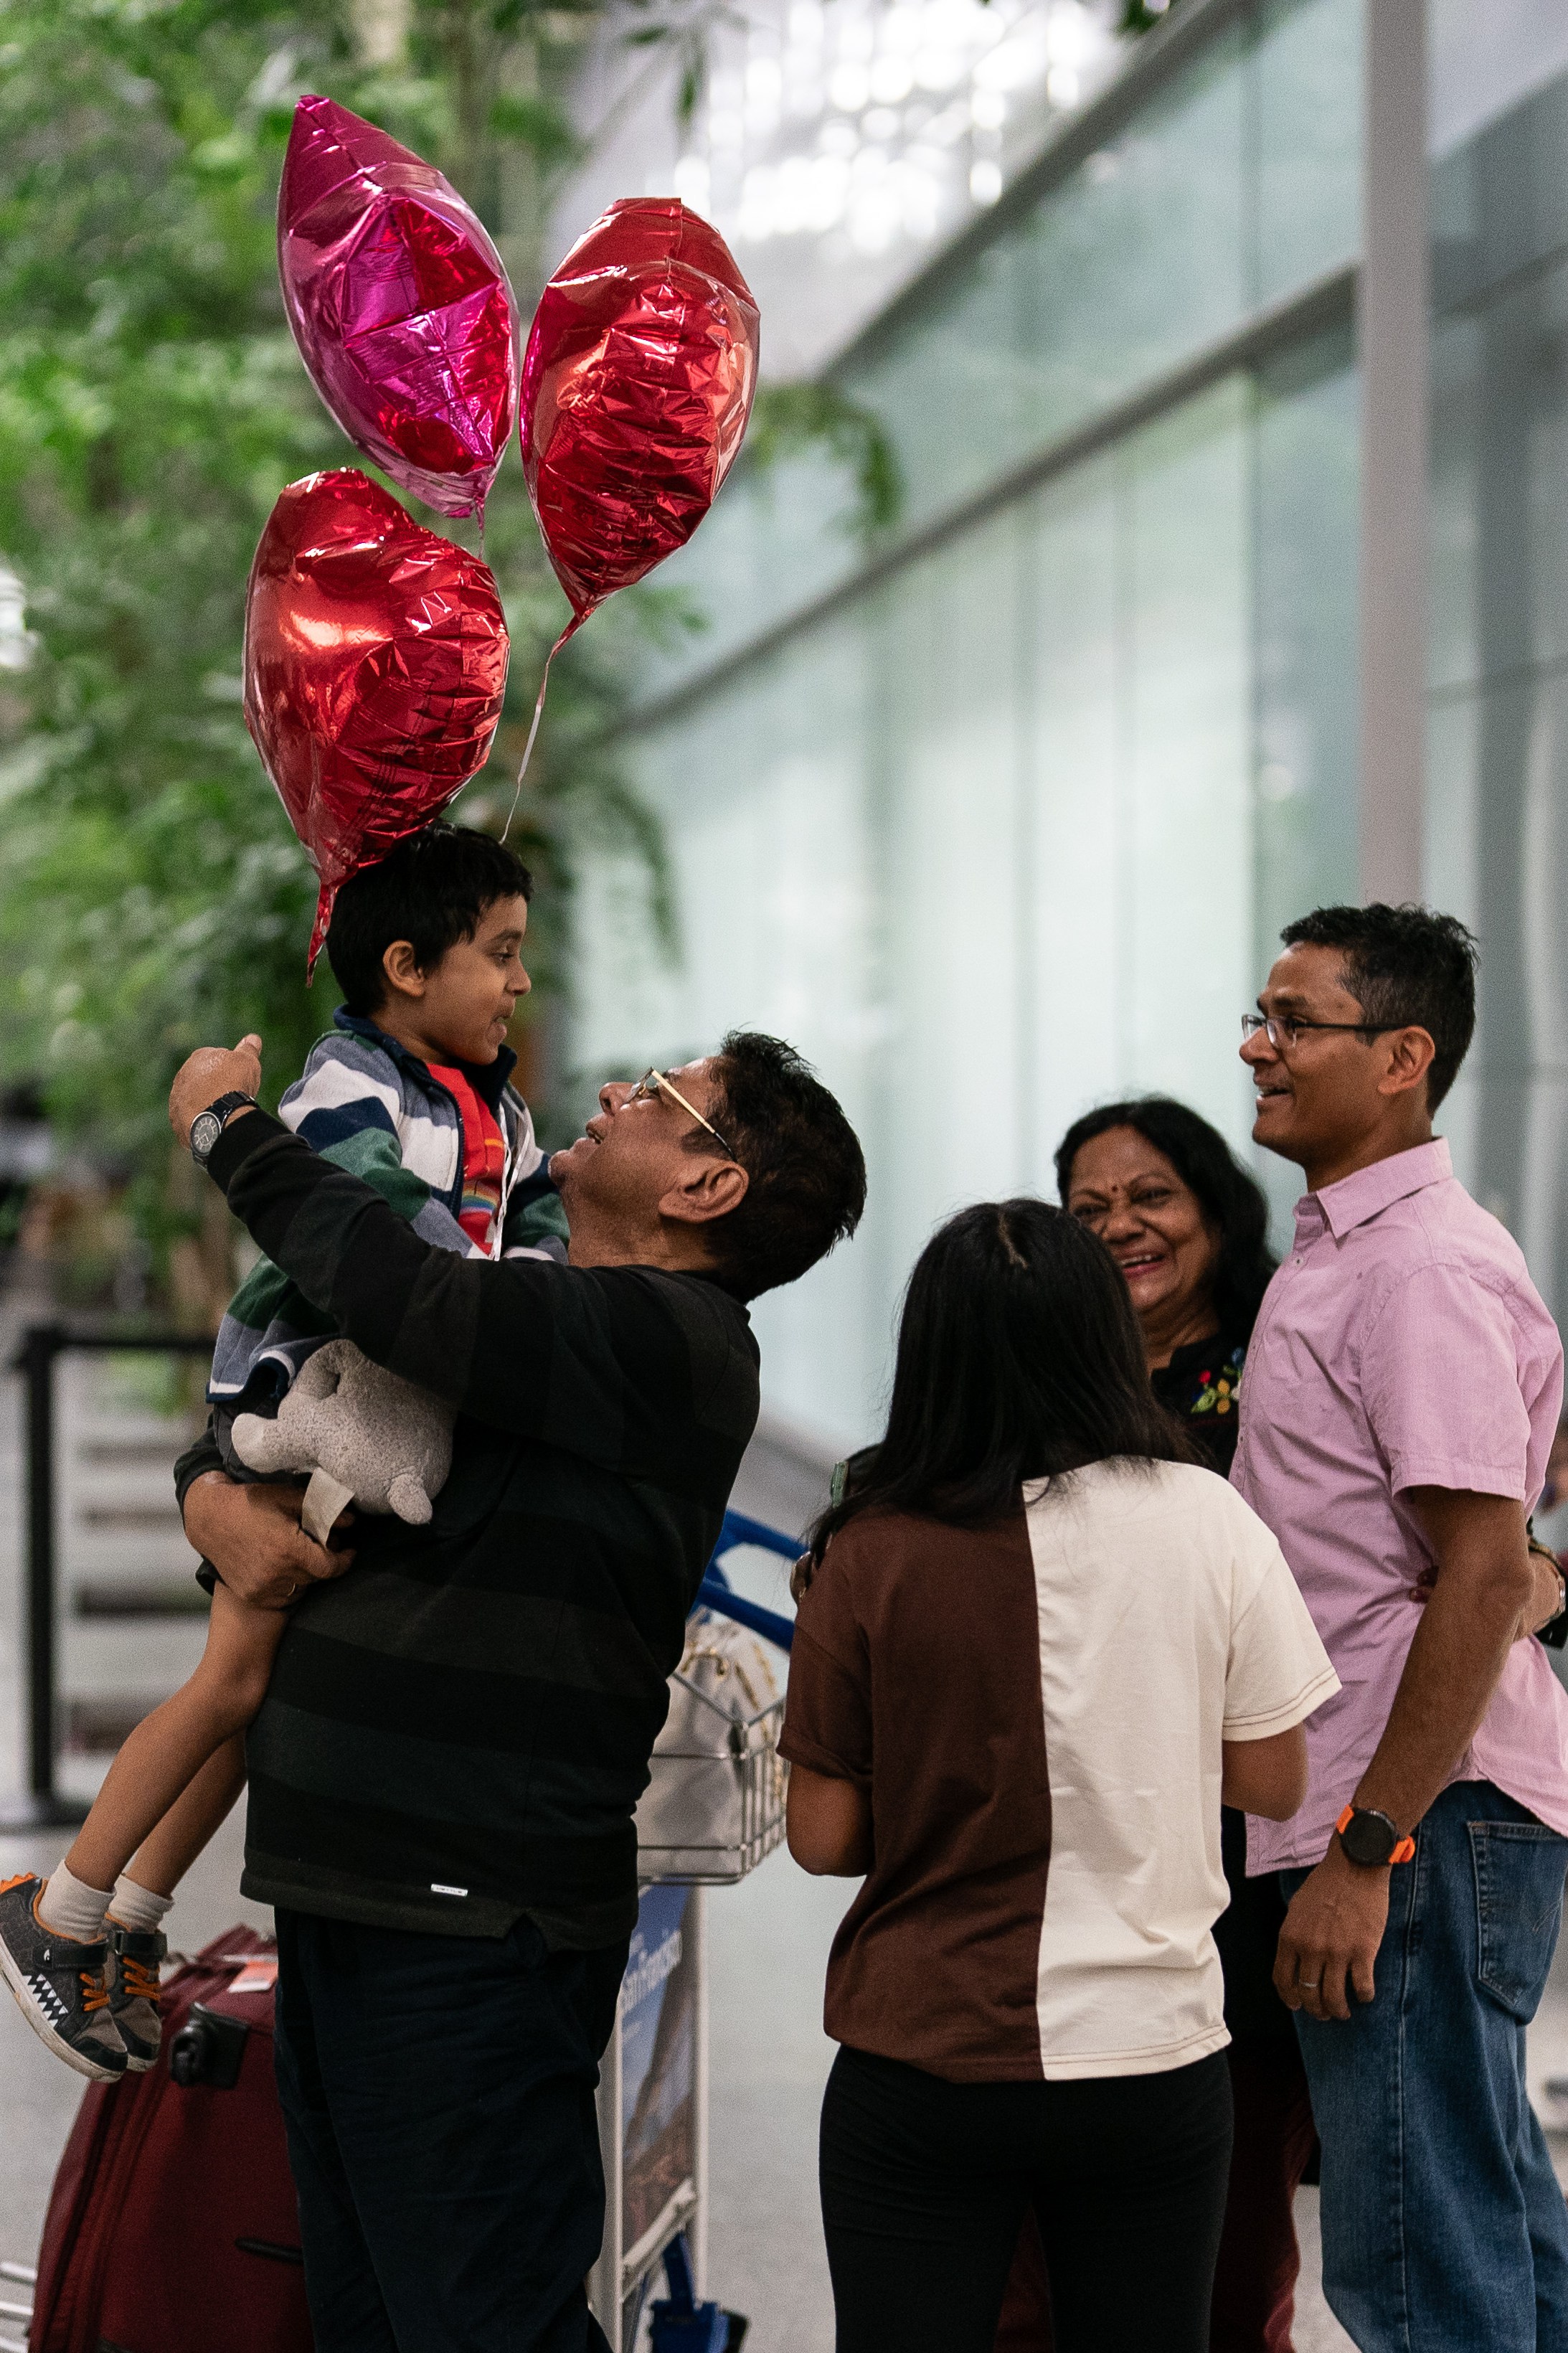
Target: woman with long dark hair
(1036,1641)
(1188,1228)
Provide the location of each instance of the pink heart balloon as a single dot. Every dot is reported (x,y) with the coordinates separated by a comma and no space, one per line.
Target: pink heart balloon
(400,306)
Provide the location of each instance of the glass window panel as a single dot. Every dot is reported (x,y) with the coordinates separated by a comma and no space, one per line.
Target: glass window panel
(1500,202)
(1138,258)
(1307,473)
(1495,850)
(761,796)
(1496,856)
(626,987)
(1482,61)
(767,831)
(1072,767)
(1449,880)
(1184,697)
(1500,461)
(1234,183)
(774,541)
(1307,462)
(950,1126)
(1453,653)
(948,386)
(1308,77)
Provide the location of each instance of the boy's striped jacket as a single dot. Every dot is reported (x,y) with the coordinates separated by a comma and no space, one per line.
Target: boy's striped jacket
(365,1103)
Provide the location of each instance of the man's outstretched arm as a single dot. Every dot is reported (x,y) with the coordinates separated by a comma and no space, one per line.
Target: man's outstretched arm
(501,1342)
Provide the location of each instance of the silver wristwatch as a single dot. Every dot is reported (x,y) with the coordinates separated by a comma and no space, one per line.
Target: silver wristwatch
(209,1124)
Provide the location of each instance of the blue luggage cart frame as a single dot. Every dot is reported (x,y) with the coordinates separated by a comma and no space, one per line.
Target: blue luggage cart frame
(653,2083)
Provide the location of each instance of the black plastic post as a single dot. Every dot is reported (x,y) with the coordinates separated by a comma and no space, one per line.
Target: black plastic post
(45,1807)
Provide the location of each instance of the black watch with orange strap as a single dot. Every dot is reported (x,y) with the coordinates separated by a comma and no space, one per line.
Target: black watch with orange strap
(1370,1838)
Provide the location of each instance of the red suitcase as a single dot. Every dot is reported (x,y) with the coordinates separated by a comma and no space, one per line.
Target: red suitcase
(172,2225)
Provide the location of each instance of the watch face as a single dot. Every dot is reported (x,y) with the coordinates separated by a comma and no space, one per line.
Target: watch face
(1369,1837)
(205,1129)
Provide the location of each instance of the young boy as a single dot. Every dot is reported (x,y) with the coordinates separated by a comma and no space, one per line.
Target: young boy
(409,1091)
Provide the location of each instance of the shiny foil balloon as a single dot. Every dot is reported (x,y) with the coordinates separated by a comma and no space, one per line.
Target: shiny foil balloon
(636,385)
(375,662)
(400,306)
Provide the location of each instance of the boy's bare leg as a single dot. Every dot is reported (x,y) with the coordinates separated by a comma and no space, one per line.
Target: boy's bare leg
(161,1861)
(169,1748)
(88,1986)
(143,1892)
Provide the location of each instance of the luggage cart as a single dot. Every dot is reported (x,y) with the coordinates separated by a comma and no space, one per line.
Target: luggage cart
(714,1810)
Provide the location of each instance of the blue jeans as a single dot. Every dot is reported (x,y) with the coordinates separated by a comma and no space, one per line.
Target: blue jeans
(1444,2227)
(438,2093)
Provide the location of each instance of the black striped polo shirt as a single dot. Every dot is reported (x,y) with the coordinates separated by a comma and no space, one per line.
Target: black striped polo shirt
(457,1730)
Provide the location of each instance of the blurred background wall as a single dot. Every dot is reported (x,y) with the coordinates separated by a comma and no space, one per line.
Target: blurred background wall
(998,812)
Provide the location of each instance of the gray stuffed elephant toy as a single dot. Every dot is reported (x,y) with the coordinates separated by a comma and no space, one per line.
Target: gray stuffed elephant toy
(367,1437)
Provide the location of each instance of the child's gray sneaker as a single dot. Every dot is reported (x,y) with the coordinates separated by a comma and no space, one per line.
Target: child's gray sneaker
(134,1956)
(59,1984)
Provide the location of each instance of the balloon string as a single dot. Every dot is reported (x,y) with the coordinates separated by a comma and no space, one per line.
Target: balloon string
(570,631)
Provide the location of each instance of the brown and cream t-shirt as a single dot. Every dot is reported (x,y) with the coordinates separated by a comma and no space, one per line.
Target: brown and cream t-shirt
(1036,1712)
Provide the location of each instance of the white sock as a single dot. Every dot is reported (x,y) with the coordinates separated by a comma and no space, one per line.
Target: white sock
(71,1909)
(135,1908)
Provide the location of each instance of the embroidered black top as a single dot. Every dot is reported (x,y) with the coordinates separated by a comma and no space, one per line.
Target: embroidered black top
(1202,1383)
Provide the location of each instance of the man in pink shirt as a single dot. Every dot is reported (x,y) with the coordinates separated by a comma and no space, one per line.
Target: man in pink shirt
(1401,1392)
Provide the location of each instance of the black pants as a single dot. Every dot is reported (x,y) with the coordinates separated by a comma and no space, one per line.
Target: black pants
(925,2183)
(438,2093)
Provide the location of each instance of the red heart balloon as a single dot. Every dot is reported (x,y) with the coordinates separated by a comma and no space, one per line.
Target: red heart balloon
(636,385)
(375,657)
(400,306)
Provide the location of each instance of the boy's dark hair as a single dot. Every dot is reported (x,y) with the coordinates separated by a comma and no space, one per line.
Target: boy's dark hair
(432,890)
(806,1172)
(1404,964)
(1018,1357)
(1232,1202)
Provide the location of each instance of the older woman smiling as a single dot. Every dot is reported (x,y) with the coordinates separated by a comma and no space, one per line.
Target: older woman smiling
(1187,1227)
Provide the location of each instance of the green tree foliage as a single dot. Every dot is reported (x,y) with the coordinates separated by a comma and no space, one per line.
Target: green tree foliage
(153,895)
(151,406)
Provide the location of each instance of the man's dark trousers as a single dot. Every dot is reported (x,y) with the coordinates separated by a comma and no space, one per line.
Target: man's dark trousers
(438,2093)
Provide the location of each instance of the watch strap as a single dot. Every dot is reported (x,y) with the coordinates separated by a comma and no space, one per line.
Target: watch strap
(225,1106)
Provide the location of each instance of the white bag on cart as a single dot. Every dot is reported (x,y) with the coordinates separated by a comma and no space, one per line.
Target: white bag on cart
(713,1808)
(714,1805)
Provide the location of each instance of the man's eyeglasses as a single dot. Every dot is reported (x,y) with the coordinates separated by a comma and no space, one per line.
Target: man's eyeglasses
(654,1082)
(1282,1029)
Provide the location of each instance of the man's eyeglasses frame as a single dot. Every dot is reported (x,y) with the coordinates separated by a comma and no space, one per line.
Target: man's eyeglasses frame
(1281,1029)
(654,1082)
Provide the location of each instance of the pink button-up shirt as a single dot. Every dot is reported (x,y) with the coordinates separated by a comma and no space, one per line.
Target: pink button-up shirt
(1401,1344)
